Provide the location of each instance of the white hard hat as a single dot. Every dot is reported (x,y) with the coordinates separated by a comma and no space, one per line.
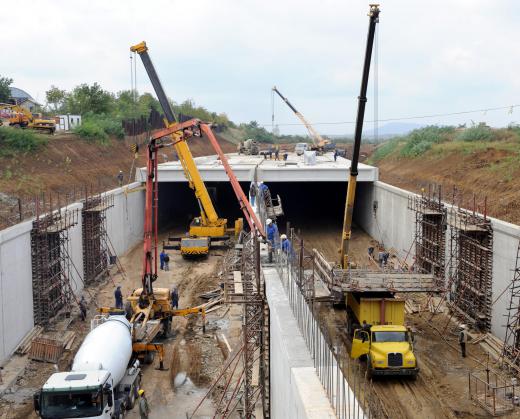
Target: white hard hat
(283,236)
(268,221)
(260,182)
(462,326)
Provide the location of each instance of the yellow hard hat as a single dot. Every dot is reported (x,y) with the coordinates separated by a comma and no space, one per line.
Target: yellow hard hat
(140,392)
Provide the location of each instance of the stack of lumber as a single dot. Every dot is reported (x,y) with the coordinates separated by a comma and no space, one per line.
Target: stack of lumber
(25,344)
(410,307)
(68,340)
(208,295)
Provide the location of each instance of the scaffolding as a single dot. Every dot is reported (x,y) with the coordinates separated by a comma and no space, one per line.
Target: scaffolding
(51,264)
(511,348)
(430,232)
(244,284)
(471,265)
(95,240)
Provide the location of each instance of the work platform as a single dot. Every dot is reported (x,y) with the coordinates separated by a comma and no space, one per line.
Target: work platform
(245,167)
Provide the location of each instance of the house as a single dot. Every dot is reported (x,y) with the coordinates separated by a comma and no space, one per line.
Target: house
(22,98)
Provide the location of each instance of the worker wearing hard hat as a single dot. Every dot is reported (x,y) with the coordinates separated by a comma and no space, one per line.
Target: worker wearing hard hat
(287,246)
(144,409)
(463,339)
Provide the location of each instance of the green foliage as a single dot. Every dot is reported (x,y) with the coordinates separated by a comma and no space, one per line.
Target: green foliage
(85,98)
(188,107)
(5,92)
(13,140)
(256,132)
(56,97)
(111,125)
(421,140)
(385,149)
(476,133)
(91,130)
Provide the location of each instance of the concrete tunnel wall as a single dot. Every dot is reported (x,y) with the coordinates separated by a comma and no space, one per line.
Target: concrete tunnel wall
(394,224)
(125,230)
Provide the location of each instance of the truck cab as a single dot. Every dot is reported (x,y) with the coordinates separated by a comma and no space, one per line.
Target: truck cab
(388,349)
(85,394)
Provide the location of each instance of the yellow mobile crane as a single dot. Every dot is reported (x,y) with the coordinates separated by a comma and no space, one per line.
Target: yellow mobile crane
(320,143)
(209,226)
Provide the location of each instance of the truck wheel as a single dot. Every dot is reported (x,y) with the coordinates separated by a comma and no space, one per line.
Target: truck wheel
(149,357)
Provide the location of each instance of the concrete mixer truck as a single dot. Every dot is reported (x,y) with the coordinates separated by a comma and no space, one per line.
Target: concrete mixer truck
(103,381)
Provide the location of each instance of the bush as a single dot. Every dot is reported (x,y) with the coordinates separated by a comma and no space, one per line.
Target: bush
(112,127)
(14,140)
(91,131)
(421,140)
(476,133)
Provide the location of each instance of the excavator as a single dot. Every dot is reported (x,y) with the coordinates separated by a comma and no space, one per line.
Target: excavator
(22,118)
(320,144)
(208,228)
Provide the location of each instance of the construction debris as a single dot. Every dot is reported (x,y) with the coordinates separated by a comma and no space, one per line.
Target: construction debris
(26,342)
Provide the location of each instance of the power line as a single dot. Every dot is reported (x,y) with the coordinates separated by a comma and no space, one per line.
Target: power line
(510,108)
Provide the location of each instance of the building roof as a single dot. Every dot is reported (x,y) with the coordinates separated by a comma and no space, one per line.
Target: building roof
(21,96)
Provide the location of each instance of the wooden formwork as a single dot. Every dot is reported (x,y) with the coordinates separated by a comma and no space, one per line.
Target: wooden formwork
(46,349)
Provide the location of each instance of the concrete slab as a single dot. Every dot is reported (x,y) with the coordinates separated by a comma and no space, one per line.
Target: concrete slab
(244,167)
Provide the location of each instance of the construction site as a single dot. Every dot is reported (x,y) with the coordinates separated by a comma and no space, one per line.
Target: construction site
(262,283)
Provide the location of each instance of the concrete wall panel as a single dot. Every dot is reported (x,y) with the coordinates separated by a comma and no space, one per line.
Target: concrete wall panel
(394,224)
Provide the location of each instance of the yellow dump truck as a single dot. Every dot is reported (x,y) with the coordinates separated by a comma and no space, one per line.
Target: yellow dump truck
(376,321)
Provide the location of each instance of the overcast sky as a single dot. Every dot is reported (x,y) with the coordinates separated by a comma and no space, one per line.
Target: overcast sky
(434,56)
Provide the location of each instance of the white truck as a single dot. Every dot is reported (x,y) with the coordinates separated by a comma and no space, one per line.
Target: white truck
(103,383)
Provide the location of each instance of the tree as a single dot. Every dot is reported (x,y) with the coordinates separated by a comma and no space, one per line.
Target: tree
(5,92)
(56,97)
(93,99)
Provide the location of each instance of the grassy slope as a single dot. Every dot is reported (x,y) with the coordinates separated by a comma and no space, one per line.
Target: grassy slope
(486,168)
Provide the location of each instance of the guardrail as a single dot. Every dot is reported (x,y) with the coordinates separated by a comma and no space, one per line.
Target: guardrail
(349,391)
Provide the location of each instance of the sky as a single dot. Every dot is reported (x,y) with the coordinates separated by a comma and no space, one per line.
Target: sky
(433,57)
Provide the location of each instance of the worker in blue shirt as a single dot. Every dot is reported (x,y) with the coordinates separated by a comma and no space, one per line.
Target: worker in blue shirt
(272,232)
(286,246)
(161,258)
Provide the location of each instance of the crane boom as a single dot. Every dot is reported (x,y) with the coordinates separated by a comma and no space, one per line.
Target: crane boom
(362,100)
(317,139)
(207,210)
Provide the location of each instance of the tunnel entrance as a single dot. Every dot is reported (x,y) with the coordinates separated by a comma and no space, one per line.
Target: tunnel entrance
(309,206)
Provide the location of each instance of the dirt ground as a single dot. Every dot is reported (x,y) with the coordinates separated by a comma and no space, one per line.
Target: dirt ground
(67,162)
(472,174)
(193,358)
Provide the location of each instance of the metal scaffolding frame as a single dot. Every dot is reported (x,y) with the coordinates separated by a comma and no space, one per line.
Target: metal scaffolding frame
(95,240)
(51,264)
(511,349)
(244,284)
(471,265)
(430,232)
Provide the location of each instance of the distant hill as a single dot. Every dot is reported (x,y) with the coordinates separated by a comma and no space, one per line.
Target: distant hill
(391,129)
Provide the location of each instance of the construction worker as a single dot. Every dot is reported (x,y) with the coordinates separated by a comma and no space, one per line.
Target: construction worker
(252,193)
(161,258)
(118,295)
(175,298)
(83,308)
(166,261)
(144,409)
(371,252)
(287,246)
(336,154)
(272,232)
(277,152)
(120,178)
(463,339)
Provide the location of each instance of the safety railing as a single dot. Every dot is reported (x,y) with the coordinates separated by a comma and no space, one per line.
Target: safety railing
(348,390)
(491,391)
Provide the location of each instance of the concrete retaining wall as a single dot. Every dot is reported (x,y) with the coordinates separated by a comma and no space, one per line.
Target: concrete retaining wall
(296,391)
(125,230)
(394,224)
